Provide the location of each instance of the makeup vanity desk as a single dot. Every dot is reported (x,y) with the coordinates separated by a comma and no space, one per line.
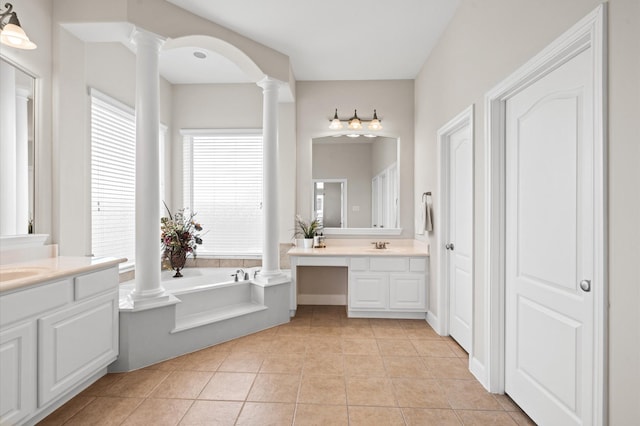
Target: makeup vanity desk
(381,283)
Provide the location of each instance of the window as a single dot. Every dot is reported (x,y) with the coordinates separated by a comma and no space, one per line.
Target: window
(113,166)
(223,185)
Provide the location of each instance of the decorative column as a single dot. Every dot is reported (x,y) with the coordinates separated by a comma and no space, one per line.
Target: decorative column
(147,260)
(271,244)
(22,161)
(7,149)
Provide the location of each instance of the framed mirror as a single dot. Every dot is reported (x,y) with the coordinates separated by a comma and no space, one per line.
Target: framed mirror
(17,150)
(356,184)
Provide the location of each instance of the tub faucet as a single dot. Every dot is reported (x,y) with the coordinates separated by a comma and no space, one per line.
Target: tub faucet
(244,275)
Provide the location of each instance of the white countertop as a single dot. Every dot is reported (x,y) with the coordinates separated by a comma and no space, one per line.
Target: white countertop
(50,268)
(364,248)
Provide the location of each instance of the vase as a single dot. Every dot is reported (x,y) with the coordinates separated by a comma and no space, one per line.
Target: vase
(307,243)
(177,259)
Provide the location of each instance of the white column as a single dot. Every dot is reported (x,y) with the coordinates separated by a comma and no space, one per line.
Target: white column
(22,161)
(7,149)
(147,260)
(271,243)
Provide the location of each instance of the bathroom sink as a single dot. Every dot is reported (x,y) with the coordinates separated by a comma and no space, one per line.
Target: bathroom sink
(18,273)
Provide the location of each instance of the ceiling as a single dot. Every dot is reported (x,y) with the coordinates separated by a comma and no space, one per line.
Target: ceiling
(328,40)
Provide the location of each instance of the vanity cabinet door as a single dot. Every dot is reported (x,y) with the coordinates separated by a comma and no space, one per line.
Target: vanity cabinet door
(17,373)
(368,291)
(75,343)
(407,291)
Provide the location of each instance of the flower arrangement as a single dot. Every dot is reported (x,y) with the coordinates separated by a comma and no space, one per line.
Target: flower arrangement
(306,229)
(180,237)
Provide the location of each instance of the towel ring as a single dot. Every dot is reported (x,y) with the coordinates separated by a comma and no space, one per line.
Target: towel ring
(426,194)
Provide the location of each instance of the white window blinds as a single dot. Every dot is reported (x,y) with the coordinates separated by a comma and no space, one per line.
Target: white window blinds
(112,178)
(223,185)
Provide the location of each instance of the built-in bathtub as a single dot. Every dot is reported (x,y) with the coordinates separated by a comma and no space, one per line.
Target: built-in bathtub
(208,307)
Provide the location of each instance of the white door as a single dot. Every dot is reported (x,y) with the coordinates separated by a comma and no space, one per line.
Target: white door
(459,246)
(549,241)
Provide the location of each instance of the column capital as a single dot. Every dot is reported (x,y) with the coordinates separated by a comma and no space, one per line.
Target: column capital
(140,37)
(268,83)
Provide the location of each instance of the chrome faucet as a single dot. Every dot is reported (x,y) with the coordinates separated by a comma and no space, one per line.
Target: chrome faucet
(242,274)
(381,244)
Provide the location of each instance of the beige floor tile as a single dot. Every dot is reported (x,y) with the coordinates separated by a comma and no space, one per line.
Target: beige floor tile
(323,364)
(172,364)
(291,330)
(419,393)
(506,402)
(266,414)
(139,383)
(448,368)
(389,323)
(521,418)
(324,344)
(422,333)
(325,331)
(253,343)
(403,366)
(457,349)
(358,346)
(288,345)
(212,413)
(323,390)
(326,322)
(357,332)
(369,416)
(159,412)
(228,386)
(356,323)
(321,415)
(102,385)
(429,416)
(485,418)
(364,365)
(242,362)
(182,384)
(374,391)
(285,363)
(274,388)
(431,347)
(396,347)
(468,395)
(67,411)
(104,411)
(385,332)
(202,361)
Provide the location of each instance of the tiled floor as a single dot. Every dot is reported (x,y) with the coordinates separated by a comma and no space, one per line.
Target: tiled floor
(320,369)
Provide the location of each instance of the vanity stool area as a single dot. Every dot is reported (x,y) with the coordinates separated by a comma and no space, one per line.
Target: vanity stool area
(372,282)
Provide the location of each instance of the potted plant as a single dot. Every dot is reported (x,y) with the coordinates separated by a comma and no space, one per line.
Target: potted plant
(179,238)
(306,230)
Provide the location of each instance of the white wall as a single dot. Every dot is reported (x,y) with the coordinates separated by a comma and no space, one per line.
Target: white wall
(393,99)
(483,44)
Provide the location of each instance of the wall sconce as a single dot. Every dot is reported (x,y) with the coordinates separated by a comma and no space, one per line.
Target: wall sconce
(11,33)
(355,122)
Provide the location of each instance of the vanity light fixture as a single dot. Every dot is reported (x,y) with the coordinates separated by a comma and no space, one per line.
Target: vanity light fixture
(355,122)
(11,33)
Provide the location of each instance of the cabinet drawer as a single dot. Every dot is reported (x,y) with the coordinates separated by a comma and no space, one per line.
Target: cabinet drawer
(30,302)
(417,264)
(359,264)
(74,343)
(95,283)
(389,264)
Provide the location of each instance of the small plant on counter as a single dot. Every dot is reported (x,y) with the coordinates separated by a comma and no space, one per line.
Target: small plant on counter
(306,229)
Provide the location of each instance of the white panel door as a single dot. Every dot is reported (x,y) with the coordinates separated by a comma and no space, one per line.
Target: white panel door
(460,245)
(549,245)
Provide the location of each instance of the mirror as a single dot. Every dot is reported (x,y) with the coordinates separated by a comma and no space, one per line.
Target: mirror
(355,182)
(17,153)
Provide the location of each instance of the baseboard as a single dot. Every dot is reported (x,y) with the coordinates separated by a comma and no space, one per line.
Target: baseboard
(322,299)
(479,371)
(434,322)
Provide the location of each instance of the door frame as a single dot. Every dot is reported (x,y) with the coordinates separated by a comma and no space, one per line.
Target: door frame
(463,119)
(590,32)
(343,197)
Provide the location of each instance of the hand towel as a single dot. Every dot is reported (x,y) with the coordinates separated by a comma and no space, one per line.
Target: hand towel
(428,214)
(423,217)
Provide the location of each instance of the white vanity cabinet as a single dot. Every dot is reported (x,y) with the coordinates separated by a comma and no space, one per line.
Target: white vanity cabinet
(55,338)
(387,287)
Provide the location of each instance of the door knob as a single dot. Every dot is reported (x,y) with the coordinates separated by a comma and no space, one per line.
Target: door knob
(449,246)
(585,285)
